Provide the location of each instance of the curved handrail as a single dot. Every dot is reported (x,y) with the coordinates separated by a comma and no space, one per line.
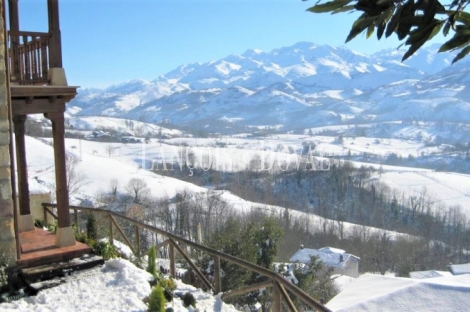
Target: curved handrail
(306,298)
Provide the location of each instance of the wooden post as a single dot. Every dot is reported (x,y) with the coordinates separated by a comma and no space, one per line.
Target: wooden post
(45,213)
(111,238)
(77,224)
(62,196)
(14,15)
(55,47)
(137,239)
(217,280)
(23,187)
(172,261)
(276,298)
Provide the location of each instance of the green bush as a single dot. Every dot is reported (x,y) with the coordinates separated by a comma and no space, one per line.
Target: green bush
(52,227)
(91,229)
(157,300)
(104,249)
(81,237)
(189,300)
(152,258)
(169,285)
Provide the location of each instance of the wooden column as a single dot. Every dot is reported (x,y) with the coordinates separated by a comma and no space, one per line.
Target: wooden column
(55,45)
(13,45)
(14,15)
(22,166)
(58,134)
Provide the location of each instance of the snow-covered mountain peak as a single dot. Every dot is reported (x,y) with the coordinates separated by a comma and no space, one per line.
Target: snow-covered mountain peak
(301,85)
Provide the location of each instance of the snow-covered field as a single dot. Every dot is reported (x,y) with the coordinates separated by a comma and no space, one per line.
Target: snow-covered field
(103,162)
(124,165)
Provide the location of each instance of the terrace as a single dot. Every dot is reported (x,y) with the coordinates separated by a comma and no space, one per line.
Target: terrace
(37,85)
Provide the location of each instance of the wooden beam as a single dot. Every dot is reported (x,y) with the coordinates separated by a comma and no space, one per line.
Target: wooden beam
(128,242)
(38,106)
(43,91)
(162,244)
(245,289)
(286,297)
(191,264)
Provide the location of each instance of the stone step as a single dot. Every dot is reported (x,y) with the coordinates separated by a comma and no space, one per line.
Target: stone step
(60,269)
(38,248)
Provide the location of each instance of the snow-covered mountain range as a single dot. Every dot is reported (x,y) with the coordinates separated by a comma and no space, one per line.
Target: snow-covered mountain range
(298,87)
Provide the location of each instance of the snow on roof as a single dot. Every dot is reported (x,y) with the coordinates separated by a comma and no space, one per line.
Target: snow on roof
(333,250)
(429,274)
(381,293)
(331,257)
(458,269)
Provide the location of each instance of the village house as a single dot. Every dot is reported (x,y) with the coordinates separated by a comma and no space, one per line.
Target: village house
(336,260)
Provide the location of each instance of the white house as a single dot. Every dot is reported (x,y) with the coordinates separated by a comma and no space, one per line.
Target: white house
(335,259)
(459,269)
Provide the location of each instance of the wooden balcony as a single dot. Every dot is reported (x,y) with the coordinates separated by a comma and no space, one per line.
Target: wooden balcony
(29,57)
(30,85)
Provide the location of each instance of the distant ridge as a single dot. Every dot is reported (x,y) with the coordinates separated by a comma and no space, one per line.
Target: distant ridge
(300,86)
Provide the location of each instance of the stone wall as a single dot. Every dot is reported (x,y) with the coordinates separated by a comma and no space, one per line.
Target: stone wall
(37,211)
(7,232)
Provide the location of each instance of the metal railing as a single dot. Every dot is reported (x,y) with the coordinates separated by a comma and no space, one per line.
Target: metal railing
(28,57)
(281,286)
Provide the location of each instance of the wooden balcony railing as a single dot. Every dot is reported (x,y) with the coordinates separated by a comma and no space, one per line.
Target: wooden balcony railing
(28,57)
(117,224)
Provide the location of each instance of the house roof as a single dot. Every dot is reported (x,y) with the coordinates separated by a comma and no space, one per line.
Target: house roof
(458,269)
(429,274)
(331,257)
(372,292)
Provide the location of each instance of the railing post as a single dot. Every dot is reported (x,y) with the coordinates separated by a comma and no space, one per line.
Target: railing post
(75,214)
(276,298)
(45,213)
(111,239)
(217,280)
(137,239)
(172,260)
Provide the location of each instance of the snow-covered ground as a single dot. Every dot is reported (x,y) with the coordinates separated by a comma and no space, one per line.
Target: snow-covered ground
(118,124)
(116,286)
(100,169)
(103,162)
(372,292)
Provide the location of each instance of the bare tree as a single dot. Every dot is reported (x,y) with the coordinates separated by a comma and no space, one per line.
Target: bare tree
(113,185)
(138,190)
(75,178)
(110,150)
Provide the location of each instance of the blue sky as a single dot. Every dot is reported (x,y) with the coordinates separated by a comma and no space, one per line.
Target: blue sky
(106,42)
